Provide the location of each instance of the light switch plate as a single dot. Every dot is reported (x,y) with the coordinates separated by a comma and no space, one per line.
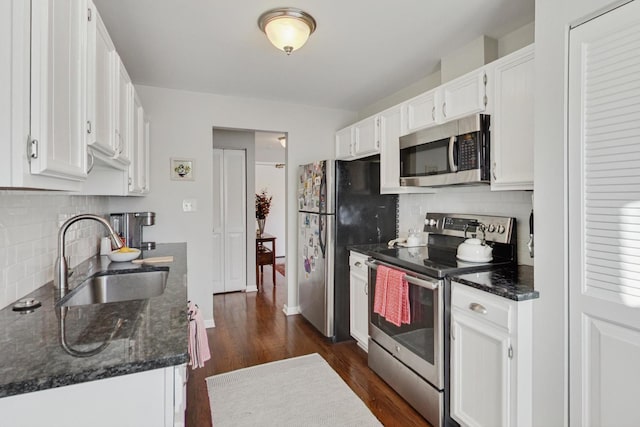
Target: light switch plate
(189,205)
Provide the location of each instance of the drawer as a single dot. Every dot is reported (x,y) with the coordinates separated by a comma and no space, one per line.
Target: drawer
(482,305)
(357,263)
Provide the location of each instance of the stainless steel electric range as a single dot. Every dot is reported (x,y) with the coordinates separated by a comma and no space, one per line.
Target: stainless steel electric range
(414,358)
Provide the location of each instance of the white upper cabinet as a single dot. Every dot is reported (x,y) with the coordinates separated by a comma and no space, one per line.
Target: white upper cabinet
(123,112)
(101,68)
(512,122)
(366,137)
(463,96)
(137,178)
(420,112)
(57,118)
(358,140)
(344,144)
(458,98)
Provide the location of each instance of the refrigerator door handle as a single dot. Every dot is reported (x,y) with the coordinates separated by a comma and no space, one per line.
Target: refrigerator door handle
(322,209)
(321,235)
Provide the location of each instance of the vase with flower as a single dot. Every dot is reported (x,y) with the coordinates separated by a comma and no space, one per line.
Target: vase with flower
(263,203)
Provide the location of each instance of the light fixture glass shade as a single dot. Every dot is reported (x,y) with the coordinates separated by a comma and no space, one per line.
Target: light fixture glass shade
(287,33)
(287,28)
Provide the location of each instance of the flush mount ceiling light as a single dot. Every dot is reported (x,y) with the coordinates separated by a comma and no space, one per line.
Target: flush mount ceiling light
(287,28)
(283,141)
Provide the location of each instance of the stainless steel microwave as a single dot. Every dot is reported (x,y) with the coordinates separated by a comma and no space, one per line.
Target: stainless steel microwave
(452,153)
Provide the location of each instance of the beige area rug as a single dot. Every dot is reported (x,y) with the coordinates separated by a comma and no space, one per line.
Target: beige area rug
(302,391)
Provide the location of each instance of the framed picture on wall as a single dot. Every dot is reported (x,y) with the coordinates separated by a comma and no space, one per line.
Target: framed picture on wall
(182,169)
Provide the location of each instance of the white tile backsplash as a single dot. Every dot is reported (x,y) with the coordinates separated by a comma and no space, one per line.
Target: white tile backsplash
(29,223)
(476,200)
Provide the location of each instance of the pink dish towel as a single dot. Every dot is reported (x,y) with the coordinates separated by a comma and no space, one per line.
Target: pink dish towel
(198,342)
(391,299)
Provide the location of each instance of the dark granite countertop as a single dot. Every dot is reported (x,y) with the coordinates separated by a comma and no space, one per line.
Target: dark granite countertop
(511,283)
(153,333)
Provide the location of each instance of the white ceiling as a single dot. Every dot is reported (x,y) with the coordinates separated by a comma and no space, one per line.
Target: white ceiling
(361,52)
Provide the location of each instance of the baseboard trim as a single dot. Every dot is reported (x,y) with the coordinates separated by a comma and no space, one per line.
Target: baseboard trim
(209,323)
(290,311)
(251,289)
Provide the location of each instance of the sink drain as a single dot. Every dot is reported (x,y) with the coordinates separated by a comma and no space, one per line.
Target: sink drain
(27,305)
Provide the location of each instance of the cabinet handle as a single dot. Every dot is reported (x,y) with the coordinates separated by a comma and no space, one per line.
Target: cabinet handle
(366,289)
(478,308)
(358,264)
(444,109)
(433,113)
(92,159)
(493,172)
(89,126)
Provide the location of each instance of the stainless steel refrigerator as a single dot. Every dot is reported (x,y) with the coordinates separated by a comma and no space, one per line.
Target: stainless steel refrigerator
(339,204)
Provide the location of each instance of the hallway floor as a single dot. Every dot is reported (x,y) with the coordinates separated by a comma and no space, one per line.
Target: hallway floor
(252,329)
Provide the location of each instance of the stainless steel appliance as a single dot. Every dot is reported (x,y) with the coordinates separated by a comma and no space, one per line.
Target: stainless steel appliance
(128,225)
(339,204)
(456,152)
(414,358)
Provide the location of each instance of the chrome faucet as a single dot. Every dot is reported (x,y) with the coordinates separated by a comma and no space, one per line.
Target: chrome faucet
(62,269)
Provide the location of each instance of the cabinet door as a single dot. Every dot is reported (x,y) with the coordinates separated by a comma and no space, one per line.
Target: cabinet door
(144,172)
(390,122)
(463,96)
(101,67)
(420,112)
(359,300)
(124,112)
(480,372)
(136,148)
(512,122)
(344,144)
(366,137)
(57,127)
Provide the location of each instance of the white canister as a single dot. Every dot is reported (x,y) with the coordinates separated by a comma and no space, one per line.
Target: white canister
(105,246)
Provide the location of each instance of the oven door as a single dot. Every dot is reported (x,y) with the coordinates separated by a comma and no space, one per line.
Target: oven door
(418,344)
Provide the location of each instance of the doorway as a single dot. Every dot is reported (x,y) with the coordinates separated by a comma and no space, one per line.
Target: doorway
(265,154)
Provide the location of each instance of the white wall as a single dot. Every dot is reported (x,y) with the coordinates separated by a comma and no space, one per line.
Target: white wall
(477,200)
(29,223)
(181,125)
(550,334)
(273,180)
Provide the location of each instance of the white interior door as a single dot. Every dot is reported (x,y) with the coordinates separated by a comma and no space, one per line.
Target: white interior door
(229,220)
(604,219)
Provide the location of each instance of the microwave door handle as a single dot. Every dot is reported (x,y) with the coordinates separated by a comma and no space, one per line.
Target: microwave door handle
(452,162)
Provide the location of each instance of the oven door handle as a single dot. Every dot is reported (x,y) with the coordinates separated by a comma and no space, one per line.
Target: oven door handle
(410,279)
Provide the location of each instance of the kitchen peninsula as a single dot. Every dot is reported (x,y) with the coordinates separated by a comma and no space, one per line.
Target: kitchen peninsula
(139,374)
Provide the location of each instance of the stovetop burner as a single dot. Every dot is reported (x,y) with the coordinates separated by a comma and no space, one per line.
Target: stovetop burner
(434,261)
(447,231)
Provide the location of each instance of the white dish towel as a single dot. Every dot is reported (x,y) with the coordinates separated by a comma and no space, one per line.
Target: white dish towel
(198,342)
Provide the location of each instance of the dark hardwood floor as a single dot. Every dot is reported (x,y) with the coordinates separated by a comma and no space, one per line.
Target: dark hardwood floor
(252,329)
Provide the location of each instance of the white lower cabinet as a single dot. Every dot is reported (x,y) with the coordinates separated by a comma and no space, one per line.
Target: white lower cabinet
(155,398)
(490,359)
(359,300)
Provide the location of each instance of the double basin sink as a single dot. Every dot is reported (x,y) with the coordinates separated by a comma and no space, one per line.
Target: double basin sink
(117,286)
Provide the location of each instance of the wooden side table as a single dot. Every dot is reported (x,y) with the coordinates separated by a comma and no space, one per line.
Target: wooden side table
(265,255)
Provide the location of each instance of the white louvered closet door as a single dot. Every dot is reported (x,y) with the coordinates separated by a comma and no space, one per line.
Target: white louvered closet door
(604,219)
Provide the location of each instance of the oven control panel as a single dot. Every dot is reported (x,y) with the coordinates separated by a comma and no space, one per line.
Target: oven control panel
(493,228)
